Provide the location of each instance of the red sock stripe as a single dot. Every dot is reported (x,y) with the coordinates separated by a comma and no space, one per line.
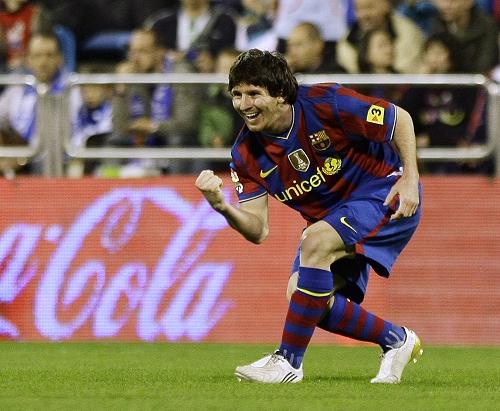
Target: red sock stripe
(300,320)
(308,301)
(303,320)
(378,327)
(346,316)
(360,323)
(295,340)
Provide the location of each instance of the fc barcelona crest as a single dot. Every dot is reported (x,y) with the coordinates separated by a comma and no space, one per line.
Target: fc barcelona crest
(299,160)
(320,140)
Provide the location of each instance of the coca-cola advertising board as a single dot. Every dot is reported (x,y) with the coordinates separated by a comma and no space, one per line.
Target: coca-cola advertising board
(149,260)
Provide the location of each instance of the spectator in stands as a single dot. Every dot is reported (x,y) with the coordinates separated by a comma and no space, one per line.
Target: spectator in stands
(446,116)
(306,51)
(94,116)
(219,123)
(376,52)
(154,115)
(18,103)
(408,38)
(422,12)
(101,27)
(255,25)
(195,24)
(441,55)
(329,16)
(376,56)
(491,7)
(203,60)
(475,31)
(92,123)
(18,20)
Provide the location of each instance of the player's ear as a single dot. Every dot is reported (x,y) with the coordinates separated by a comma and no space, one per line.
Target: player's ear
(281,100)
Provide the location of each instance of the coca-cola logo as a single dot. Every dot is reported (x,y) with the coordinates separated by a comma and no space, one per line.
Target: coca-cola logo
(191,312)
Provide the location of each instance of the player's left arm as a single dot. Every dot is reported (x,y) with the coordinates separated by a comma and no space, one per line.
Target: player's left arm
(406,188)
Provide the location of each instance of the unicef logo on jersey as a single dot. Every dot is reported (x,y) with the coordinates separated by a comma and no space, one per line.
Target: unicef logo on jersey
(332,166)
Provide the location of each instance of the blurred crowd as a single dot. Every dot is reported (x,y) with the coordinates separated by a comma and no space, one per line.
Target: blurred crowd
(50,39)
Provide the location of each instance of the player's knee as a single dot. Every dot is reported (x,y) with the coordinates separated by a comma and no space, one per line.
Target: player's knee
(320,246)
(338,283)
(292,285)
(312,244)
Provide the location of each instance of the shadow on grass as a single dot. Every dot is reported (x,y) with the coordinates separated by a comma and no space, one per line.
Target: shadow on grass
(337,378)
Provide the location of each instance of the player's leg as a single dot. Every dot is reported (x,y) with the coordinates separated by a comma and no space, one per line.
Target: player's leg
(377,241)
(347,318)
(320,246)
(379,249)
(400,345)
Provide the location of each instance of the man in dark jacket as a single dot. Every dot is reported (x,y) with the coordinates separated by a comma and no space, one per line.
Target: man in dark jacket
(194,25)
(474,30)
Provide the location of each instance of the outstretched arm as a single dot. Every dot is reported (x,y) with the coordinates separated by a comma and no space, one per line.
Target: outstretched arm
(250,219)
(407,186)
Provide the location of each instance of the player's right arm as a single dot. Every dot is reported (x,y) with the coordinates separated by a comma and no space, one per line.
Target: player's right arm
(250,219)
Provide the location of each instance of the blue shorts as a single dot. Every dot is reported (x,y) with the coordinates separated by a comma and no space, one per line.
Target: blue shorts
(365,227)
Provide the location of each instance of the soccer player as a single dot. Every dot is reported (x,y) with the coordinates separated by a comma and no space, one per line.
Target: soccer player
(347,163)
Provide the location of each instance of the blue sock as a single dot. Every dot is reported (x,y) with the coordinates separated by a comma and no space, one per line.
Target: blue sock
(351,320)
(306,308)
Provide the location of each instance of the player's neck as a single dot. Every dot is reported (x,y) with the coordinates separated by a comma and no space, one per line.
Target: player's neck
(283,123)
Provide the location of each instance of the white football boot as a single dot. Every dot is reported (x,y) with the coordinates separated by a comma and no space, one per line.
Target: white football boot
(394,361)
(272,369)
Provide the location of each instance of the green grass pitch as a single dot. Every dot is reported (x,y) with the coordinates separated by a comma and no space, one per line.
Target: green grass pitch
(122,376)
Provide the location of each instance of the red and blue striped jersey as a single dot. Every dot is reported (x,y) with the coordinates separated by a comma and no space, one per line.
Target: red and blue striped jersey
(337,149)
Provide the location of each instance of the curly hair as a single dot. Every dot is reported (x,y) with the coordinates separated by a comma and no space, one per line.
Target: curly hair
(264,69)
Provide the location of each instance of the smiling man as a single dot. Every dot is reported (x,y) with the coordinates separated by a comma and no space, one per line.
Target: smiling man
(346,162)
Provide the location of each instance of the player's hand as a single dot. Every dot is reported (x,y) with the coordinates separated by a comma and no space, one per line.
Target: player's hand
(210,186)
(407,191)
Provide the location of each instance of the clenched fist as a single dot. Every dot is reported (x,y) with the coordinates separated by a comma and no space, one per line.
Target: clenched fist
(210,186)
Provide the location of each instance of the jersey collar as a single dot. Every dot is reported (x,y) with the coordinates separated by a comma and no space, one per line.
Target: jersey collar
(284,137)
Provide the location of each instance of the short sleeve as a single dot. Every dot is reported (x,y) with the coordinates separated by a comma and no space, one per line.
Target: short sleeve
(246,187)
(364,116)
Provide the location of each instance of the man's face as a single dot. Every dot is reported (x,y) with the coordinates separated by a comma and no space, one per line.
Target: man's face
(44,58)
(13,5)
(95,94)
(452,10)
(257,107)
(380,49)
(303,52)
(143,53)
(437,58)
(371,14)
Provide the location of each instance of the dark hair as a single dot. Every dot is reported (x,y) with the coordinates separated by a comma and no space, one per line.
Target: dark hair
(364,64)
(264,69)
(450,43)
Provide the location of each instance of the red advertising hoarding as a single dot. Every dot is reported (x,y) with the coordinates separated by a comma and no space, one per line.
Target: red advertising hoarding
(148,260)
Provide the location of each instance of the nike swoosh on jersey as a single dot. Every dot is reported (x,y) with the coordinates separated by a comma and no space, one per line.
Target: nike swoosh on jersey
(264,174)
(343,221)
